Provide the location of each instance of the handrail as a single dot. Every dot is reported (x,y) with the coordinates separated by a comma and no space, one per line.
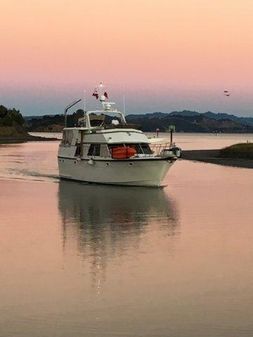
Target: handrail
(159,147)
(67,108)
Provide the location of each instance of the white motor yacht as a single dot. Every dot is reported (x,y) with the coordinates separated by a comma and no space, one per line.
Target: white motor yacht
(104,149)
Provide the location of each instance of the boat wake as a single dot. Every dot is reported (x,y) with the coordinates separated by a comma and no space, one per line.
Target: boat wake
(24,174)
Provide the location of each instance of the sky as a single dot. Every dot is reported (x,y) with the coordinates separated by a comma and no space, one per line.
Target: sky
(162,55)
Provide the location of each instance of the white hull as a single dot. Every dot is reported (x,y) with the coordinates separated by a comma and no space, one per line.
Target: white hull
(138,172)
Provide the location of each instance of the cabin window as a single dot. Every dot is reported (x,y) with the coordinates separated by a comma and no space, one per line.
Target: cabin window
(137,147)
(146,149)
(96,120)
(142,148)
(112,146)
(78,150)
(94,150)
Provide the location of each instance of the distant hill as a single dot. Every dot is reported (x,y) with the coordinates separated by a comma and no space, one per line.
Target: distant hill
(51,123)
(192,121)
(184,121)
(184,113)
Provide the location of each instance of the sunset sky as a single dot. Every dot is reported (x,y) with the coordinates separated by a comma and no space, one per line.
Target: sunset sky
(163,55)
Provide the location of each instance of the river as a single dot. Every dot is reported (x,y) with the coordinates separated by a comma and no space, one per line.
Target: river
(89,260)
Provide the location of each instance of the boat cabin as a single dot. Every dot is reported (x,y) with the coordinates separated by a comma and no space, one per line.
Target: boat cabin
(114,143)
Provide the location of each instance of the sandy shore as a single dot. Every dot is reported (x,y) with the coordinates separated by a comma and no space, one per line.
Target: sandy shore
(212,157)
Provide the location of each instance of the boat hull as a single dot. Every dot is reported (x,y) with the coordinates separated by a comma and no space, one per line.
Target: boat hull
(142,172)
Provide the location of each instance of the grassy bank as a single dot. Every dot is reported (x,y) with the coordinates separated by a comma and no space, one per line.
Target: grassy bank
(240,151)
(238,155)
(12,131)
(11,134)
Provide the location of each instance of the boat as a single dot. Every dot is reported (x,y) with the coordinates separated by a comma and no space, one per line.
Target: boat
(104,149)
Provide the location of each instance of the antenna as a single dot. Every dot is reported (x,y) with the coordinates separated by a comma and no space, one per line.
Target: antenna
(67,108)
(84,101)
(124,104)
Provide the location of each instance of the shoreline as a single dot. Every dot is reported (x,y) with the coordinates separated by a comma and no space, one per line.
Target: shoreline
(213,157)
(204,156)
(24,139)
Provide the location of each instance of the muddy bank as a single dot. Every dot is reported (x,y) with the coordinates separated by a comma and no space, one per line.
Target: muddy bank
(213,157)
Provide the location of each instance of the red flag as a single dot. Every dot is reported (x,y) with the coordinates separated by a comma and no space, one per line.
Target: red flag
(106,95)
(95,93)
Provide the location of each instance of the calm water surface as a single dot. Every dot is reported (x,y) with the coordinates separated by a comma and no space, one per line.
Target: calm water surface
(85,260)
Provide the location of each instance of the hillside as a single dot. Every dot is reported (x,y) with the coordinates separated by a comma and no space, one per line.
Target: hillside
(191,121)
(185,121)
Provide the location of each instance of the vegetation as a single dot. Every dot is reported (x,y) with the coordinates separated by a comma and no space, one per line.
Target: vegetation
(11,124)
(10,117)
(240,151)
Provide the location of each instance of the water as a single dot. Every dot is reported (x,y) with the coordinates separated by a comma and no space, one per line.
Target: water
(85,260)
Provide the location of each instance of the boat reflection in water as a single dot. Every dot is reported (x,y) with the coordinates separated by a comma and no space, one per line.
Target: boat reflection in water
(106,222)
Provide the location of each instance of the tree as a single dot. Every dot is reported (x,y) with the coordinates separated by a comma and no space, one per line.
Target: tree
(10,117)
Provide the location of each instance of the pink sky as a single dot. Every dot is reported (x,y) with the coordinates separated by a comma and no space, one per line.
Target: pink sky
(163,54)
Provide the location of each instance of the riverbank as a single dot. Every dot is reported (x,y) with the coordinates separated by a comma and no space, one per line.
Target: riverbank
(214,157)
(24,139)
(18,134)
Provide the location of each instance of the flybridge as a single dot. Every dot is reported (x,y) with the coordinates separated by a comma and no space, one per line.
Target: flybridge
(95,119)
(108,107)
